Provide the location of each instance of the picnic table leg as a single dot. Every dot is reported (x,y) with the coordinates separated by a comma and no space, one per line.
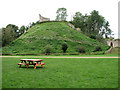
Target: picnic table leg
(27,66)
(42,66)
(35,67)
(20,65)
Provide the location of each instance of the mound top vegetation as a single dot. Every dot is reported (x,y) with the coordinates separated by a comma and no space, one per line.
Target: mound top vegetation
(55,34)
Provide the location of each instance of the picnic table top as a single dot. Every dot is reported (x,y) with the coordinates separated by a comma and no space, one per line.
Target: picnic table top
(31,59)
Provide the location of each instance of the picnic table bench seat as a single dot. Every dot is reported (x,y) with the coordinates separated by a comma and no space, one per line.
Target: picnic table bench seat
(23,64)
(39,64)
(42,63)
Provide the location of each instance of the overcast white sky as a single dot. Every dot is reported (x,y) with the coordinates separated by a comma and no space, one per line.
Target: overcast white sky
(22,12)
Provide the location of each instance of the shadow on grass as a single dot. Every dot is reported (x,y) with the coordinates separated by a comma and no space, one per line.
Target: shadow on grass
(31,67)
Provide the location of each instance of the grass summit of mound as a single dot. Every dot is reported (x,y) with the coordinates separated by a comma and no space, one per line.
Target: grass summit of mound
(35,40)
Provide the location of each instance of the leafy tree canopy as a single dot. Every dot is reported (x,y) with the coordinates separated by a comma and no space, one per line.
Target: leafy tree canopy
(61,14)
(92,25)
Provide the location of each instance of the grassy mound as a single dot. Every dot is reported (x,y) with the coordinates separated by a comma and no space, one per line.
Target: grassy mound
(35,40)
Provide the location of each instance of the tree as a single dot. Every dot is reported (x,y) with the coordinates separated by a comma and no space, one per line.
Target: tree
(107,31)
(61,14)
(94,25)
(48,49)
(64,47)
(33,24)
(98,26)
(21,30)
(98,48)
(78,20)
(14,29)
(95,22)
(81,49)
(9,34)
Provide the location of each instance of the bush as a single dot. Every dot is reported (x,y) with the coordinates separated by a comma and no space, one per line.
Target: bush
(64,47)
(48,49)
(98,48)
(92,36)
(81,49)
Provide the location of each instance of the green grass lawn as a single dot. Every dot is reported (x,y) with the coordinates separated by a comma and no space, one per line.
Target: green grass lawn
(61,73)
(52,55)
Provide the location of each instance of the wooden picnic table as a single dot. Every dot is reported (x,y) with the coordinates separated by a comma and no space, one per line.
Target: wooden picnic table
(35,62)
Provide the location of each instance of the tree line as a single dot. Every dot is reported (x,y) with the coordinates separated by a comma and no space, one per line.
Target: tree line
(12,32)
(94,25)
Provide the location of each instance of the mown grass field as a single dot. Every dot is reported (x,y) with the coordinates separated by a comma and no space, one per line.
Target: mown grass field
(61,73)
(61,55)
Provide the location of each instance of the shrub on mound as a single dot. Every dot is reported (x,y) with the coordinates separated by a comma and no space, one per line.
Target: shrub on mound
(48,49)
(98,48)
(64,47)
(81,49)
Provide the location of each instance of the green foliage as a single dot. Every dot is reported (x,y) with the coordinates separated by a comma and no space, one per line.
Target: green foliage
(21,30)
(93,36)
(61,14)
(98,48)
(81,49)
(48,49)
(12,32)
(107,31)
(13,29)
(93,24)
(64,47)
(78,20)
(9,34)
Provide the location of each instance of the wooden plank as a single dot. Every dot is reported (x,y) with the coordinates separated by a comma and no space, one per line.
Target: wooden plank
(22,64)
(30,59)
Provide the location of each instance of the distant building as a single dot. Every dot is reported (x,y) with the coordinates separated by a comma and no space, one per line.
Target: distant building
(114,42)
(41,18)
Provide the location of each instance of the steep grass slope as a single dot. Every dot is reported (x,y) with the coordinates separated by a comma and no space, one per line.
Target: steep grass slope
(114,50)
(35,40)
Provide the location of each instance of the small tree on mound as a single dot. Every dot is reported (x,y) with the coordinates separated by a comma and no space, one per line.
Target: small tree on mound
(81,49)
(98,48)
(92,36)
(64,47)
(61,14)
(48,49)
